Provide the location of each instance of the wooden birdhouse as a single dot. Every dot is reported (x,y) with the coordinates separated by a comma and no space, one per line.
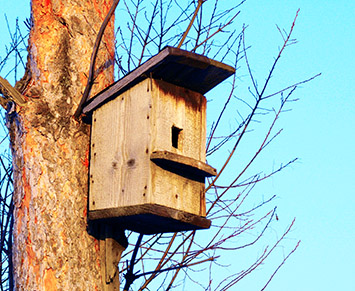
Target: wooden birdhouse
(148,161)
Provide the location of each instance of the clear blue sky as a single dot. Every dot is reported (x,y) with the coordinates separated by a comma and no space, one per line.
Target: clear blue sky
(319,189)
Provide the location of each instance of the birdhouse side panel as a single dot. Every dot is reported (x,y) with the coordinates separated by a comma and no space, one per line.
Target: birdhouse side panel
(135,189)
(120,151)
(104,179)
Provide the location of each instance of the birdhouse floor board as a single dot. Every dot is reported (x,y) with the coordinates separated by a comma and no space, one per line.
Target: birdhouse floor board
(183,163)
(151,219)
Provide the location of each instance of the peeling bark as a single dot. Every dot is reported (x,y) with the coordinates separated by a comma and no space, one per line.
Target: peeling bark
(52,249)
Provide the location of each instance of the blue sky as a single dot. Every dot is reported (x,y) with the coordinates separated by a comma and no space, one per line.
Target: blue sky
(319,189)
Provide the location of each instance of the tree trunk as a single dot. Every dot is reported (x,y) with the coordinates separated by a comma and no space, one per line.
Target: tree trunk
(52,249)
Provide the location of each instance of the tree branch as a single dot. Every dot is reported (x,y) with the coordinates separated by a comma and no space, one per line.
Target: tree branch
(200,2)
(90,81)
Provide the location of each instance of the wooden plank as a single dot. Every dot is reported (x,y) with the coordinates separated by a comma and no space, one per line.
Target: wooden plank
(184,109)
(174,106)
(128,129)
(112,243)
(119,164)
(125,83)
(151,219)
(183,163)
(177,189)
(10,92)
(173,65)
(105,160)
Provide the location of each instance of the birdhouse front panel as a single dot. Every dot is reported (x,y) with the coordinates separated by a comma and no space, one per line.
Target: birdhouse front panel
(181,115)
(178,126)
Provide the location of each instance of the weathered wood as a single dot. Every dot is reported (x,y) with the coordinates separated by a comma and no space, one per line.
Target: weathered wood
(151,218)
(125,133)
(115,244)
(11,93)
(176,66)
(110,252)
(148,144)
(177,189)
(178,107)
(112,242)
(119,170)
(183,163)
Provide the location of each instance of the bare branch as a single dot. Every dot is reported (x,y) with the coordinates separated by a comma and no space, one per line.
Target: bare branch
(200,2)
(90,81)
(282,263)
(217,31)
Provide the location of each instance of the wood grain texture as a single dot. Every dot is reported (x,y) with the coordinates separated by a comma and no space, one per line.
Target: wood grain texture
(151,218)
(131,129)
(119,144)
(182,163)
(175,66)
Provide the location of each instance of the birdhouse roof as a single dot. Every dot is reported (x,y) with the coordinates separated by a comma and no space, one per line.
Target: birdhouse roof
(173,65)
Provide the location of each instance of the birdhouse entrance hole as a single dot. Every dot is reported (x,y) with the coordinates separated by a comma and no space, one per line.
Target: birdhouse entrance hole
(176,136)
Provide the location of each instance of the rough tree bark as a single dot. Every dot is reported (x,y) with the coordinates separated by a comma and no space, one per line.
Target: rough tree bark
(52,248)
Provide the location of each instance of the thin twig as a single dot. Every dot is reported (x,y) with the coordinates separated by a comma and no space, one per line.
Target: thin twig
(217,31)
(283,262)
(200,2)
(148,32)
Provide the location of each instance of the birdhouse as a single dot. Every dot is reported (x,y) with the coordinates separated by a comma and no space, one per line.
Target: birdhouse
(148,144)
